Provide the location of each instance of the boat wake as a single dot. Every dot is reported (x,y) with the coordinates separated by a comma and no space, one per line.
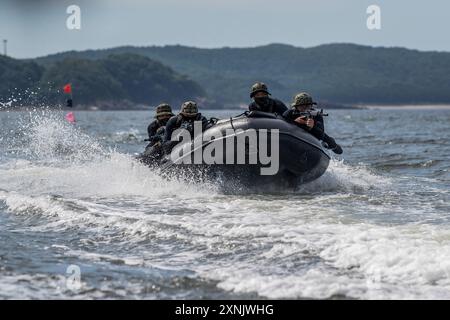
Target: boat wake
(63,157)
(327,238)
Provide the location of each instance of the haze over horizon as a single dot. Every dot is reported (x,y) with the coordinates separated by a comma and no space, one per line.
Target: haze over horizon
(232,47)
(38,28)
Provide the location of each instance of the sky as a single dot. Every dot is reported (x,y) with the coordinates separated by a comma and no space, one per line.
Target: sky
(36,28)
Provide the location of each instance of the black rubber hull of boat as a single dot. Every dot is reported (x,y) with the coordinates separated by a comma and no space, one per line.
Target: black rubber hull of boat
(301,156)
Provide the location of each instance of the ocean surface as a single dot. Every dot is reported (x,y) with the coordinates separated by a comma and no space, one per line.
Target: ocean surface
(80,218)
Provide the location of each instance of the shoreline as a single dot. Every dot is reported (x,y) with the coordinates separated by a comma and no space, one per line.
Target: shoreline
(407,107)
(354,107)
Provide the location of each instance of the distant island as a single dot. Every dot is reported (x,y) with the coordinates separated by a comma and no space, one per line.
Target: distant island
(118,81)
(338,75)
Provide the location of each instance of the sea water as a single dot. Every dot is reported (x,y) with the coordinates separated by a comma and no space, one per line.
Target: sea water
(72,197)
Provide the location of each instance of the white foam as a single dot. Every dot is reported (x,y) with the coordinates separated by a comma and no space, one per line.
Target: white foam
(343,177)
(261,238)
(67,161)
(360,261)
(356,259)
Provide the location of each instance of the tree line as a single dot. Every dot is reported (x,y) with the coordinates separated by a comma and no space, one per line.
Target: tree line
(116,81)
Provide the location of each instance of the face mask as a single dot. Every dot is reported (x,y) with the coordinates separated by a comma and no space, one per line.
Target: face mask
(263,102)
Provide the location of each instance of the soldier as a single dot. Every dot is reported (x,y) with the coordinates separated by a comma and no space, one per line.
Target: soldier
(262,101)
(301,115)
(185,119)
(156,128)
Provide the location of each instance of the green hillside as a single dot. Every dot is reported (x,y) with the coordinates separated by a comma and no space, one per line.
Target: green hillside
(17,78)
(114,81)
(342,73)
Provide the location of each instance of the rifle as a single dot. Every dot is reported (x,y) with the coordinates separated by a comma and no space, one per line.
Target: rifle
(309,114)
(328,142)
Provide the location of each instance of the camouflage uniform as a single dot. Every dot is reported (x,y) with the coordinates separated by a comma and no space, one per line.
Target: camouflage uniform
(156,131)
(152,129)
(318,130)
(265,104)
(304,99)
(188,114)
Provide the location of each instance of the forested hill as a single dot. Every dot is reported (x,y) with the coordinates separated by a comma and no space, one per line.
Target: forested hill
(115,81)
(342,73)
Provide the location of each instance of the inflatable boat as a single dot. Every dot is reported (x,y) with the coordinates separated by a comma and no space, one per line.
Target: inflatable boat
(255,148)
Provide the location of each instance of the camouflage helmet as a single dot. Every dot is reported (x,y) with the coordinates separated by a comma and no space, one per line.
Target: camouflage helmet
(163,110)
(189,109)
(303,99)
(259,87)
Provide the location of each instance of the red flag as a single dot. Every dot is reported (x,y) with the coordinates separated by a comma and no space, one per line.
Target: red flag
(67,88)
